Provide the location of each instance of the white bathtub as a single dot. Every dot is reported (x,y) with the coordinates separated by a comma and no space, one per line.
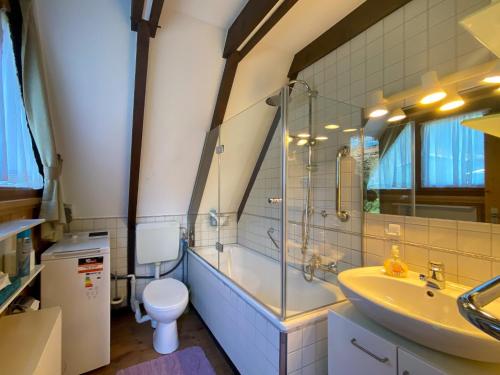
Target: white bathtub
(260,276)
(239,300)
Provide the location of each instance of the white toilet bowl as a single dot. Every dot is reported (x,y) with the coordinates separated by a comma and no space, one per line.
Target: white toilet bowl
(165,300)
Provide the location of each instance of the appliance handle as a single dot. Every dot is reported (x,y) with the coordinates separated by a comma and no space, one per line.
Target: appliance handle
(342,215)
(78,254)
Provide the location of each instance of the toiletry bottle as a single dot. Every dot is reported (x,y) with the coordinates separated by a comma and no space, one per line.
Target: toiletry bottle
(24,249)
(394,266)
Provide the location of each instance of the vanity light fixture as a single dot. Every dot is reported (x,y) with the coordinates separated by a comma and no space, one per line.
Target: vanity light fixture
(452,102)
(332,126)
(302,142)
(303,135)
(321,138)
(493,75)
(377,105)
(432,88)
(396,115)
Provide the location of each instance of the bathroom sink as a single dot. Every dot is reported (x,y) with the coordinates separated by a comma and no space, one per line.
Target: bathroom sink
(424,315)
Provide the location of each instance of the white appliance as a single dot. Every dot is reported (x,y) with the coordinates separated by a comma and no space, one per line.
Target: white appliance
(76,277)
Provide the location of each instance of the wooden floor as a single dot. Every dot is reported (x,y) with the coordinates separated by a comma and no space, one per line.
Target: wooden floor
(132,343)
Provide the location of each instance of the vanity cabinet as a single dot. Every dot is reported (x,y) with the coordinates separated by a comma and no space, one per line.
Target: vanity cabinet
(353,349)
(408,364)
(359,346)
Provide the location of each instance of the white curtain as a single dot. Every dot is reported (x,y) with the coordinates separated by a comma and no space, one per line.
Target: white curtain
(18,167)
(393,170)
(452,154)
(40,122)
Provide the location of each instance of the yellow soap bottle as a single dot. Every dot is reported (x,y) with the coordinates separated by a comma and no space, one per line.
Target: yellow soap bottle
(394,266)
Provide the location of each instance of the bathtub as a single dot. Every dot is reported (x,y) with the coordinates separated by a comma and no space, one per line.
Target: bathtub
(240,303)
(260,276)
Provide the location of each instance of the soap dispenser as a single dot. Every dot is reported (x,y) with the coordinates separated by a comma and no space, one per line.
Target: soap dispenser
(394,266)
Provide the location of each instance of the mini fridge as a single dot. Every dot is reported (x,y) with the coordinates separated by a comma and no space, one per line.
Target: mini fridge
(76,277)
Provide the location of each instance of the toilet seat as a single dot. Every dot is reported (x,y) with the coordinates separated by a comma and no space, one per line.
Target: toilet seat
(165,294)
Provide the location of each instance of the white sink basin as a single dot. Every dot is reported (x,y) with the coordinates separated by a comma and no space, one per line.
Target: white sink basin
(424,315)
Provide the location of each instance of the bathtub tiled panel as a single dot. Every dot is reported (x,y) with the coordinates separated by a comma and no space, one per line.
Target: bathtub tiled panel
(308,349)
(248,338)
(117,228)
(470,251)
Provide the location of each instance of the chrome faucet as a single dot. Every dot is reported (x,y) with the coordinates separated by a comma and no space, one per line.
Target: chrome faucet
(315,263)
(436,278)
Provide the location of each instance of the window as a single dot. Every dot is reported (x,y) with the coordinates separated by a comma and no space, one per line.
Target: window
(18,167)
(452,154)
(394,167)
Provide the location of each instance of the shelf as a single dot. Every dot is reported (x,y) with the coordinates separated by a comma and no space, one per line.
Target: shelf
(25,280)
(11,228)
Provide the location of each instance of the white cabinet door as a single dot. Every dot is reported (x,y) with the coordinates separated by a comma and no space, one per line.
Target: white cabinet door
(353,350)
(408,364)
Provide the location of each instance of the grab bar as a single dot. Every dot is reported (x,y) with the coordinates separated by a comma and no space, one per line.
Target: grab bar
(270,232)
(342,215)
(471,305)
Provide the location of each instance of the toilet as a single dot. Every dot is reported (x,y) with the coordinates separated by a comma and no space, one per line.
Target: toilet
(164,299)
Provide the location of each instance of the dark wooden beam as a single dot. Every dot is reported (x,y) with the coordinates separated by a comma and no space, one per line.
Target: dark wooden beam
(258,164)
(267,26)
(360,19)
(141,71)
(137,7)
(260,160)
(154,17)
(251,15)
(226,85)
(248,19)
(201,177)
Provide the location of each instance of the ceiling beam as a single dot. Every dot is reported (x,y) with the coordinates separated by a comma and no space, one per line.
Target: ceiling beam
(249,18)
(145,30)
(141,72)
(137,7)
(252,15)
(360,19)
(154,17)
(267,26)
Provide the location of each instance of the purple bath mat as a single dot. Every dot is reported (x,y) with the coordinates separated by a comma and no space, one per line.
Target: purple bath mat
(190,361)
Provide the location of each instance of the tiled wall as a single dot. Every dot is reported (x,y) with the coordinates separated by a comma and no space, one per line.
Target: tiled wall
(332,239)
(117,228)
(206,233)
(391,56)
(470,251)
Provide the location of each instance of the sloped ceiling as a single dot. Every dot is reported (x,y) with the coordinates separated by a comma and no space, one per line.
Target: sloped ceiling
(220,13)
(263,71)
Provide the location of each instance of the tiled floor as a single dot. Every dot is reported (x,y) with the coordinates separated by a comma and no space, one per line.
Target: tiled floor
(131,343)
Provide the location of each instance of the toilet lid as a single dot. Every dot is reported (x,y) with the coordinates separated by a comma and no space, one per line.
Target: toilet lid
(165,294)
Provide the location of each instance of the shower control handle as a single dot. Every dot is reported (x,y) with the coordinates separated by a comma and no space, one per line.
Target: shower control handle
(274,200)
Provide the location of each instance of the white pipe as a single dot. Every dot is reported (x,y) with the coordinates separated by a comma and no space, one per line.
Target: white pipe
(134,303)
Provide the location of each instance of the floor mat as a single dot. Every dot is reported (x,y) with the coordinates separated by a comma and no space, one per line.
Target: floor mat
(189,361)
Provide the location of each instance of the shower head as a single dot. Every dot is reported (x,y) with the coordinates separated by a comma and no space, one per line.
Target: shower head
(274,101)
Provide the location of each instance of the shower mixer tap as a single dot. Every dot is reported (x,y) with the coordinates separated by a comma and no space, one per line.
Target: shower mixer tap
(316,263)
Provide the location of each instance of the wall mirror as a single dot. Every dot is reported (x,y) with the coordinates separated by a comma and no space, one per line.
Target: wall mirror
(436,161)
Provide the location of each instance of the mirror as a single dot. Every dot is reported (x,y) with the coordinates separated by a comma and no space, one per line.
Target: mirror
(437,163)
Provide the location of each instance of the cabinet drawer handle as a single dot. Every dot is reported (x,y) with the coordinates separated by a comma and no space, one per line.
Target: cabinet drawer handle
(381,360)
